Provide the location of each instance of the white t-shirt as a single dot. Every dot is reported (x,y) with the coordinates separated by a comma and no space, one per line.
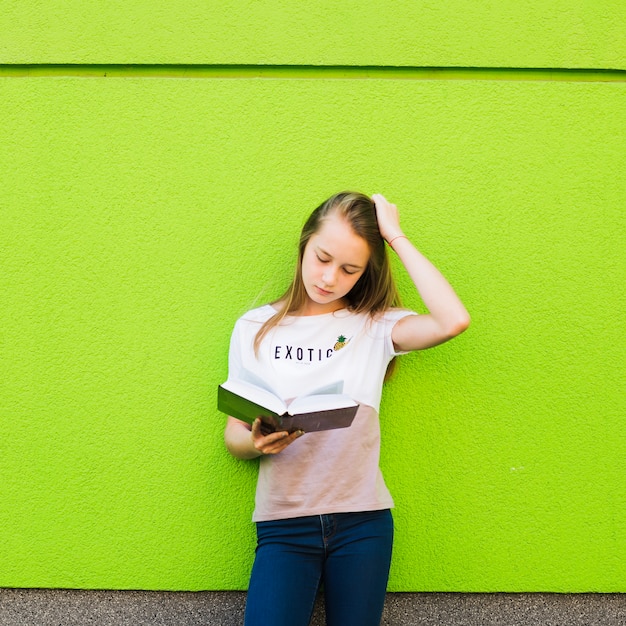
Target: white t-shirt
(333,471)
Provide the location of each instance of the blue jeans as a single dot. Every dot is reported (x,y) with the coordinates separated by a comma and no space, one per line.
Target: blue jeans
(349,553)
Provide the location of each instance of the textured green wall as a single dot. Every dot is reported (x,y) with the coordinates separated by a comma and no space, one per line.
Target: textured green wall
(141,216)
(469,33)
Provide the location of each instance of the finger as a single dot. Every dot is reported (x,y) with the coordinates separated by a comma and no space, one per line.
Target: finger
(286,441)
(261,428)
(266,444)
(276,437)
(278,444)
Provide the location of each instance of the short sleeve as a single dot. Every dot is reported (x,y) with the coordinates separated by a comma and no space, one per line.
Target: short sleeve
(391,318)
(235,360)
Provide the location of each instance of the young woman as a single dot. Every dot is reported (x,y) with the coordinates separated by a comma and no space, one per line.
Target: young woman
(322,507)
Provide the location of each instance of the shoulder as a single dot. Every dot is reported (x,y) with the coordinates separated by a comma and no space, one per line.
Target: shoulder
(391,315)
(382,324)
(258,315)
(250,322)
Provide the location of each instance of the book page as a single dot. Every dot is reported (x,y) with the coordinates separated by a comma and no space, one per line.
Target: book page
(250,377)
(319,402)
(332,388)
(256,394)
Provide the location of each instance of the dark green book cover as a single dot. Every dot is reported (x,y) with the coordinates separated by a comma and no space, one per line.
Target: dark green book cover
(242,407)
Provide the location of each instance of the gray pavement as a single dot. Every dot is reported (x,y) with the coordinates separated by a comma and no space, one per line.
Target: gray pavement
(59,607)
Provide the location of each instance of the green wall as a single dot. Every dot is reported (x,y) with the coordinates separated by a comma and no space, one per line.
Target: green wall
(507,33)
(142,214)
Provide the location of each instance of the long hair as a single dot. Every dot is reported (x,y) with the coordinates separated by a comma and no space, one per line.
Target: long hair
(374,292)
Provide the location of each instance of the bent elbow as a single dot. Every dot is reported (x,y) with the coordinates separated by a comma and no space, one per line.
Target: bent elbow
(459,325)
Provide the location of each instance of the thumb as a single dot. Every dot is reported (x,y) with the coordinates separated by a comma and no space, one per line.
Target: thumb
(256,428)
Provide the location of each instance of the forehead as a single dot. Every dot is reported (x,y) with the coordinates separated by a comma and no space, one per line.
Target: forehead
(336,238)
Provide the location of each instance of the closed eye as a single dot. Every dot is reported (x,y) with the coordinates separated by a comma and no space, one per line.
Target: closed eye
(324,259)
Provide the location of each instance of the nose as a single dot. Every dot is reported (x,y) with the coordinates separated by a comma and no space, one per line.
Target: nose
(329,276)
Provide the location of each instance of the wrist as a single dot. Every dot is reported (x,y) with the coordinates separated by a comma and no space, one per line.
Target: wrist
(395,237)
(254,451)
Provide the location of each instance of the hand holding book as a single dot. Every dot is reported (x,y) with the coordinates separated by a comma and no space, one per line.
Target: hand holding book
(314,412)
(273,442)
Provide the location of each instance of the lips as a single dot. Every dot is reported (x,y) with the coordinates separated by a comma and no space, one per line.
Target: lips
(322,292)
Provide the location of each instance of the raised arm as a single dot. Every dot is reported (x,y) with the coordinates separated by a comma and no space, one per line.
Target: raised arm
(446,317)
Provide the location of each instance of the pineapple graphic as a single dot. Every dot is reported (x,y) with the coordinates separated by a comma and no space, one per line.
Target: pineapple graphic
(341,343)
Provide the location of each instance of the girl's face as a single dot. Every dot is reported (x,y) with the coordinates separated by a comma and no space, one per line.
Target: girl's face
(334,259)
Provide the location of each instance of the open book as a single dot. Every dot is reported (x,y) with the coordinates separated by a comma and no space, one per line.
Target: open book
(323,409)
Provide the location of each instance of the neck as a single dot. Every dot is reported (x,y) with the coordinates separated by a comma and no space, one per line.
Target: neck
(313,308)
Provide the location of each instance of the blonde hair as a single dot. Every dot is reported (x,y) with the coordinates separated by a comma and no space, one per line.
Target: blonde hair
(374,292)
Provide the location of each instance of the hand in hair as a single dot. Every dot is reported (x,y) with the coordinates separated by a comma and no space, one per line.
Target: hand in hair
(446,316)
(388,218)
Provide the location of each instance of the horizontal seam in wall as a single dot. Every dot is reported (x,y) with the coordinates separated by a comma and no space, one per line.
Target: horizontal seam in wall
(350,72)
